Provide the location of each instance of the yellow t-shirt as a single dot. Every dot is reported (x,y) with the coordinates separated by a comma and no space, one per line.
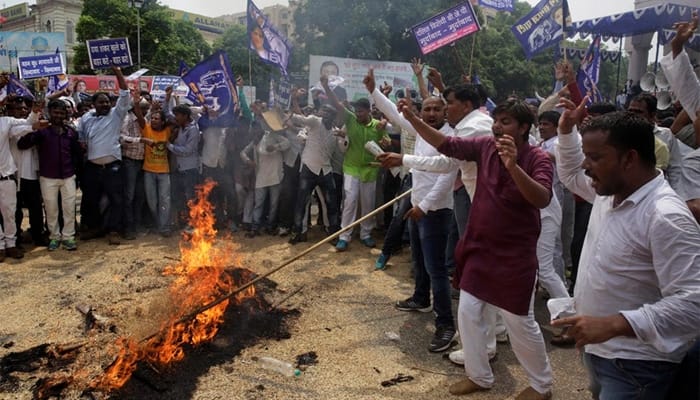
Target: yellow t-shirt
(156,157)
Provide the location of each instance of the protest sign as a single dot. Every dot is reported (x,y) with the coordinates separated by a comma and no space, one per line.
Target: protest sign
(20,44)
(212,84)
(446,27)
(33,67)
(162,82)
(347,75)
(499,5)
(542,27)
(107,53)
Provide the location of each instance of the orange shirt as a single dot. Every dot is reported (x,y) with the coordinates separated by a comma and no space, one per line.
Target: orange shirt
(156,156)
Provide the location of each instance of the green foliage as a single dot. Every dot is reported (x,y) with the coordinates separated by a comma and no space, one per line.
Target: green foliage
(235,43)
(163,41)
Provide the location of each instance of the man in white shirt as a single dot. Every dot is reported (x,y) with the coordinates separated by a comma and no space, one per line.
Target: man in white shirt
(431,211)
(316,168)
(637,295)
(645,106)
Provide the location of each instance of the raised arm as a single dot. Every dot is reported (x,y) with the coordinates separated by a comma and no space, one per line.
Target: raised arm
(431,135)
(385,105)
(137,111)
(418,67)
(435,77)
(331,96)
(679,70)
(570,155)
(120,78)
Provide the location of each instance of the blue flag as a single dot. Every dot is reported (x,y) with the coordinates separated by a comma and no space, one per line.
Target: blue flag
(211,83)
(182,70)
(543,27)
(265,39)
(17,88)
(588,71)
(500,5)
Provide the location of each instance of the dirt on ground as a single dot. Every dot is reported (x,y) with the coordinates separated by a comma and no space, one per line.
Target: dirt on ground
(333,304)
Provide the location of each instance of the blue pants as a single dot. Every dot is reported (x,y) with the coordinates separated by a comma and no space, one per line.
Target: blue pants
(428,240)
(393,239)
(158,197)
(134,195)
(618,379)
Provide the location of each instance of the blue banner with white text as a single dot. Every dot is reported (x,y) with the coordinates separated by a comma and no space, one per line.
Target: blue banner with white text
(500,5)
(446,27)
(17,88)
(542,27)
(33,67)
(212,84)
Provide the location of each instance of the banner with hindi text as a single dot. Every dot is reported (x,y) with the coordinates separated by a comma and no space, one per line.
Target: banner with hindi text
(446,27)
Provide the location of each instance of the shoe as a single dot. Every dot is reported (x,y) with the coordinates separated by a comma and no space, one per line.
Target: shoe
(532,394)
(369,242)
(457,356)
(130,236)
(251,234)
(113,238)
(342,245)
(443,339)
(466,386)
(297,238)
(14,252)
(282,231)
(53,244)
(233,227)
(410,305)
(381,262)
(502,337)
(2,255)
(70,245)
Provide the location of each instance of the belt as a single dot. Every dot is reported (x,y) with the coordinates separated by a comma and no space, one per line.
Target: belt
(104,166)
(7,178)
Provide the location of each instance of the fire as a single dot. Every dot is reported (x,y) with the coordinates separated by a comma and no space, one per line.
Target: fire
(200,279)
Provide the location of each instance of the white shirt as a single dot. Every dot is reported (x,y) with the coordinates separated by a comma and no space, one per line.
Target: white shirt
(26,161)
(676,150)
(640,259)
(317,151)
(213,149)
(473,125)
(431,190)
(268,164)
(684,83)
(553,209)
(7,162)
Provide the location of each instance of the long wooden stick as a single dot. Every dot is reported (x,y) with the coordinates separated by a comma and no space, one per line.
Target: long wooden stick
(225,297)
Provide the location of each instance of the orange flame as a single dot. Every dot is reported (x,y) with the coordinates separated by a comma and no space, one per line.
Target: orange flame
(200,279)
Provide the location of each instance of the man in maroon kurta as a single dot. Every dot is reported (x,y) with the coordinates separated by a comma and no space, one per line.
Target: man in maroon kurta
(496,258)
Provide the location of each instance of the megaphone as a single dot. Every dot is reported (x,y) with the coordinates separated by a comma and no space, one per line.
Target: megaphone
(660,81)
(646,83)
(663,100)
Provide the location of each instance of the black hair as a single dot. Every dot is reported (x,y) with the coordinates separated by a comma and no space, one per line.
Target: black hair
(648,100)
(182,110)
(57,103)
(97,96)
(327,63)
(464,93)
(626,131)
(518,110)
(550,116)
(601,108)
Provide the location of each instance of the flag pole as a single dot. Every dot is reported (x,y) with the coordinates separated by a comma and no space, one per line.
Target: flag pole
(250,70)
(471,56)
(619,64)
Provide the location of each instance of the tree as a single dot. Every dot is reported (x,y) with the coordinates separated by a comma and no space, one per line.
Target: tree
(164,42)
(234,42)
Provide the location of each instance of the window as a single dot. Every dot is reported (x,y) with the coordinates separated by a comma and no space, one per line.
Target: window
(48,26)
(69,32)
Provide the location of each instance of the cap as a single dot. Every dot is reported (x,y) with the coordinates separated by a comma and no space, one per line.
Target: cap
(361,103)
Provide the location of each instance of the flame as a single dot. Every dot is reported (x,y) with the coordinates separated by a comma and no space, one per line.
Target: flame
(200,278)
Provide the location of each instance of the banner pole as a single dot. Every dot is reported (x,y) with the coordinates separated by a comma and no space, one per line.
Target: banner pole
(459,60)
(619,64)
(250,71)
(471,56)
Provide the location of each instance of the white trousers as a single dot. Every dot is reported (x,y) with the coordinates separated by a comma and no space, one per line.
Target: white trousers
(546,254)
(49,192)
(8,206)
(525,338)
(364,193)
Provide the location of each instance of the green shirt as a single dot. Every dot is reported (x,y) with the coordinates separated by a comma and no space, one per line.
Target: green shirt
(357,159)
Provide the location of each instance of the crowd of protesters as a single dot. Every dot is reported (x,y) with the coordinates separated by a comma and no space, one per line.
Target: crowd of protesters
(597,204)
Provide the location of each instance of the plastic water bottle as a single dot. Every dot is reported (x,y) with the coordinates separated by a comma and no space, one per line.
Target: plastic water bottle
(273,364)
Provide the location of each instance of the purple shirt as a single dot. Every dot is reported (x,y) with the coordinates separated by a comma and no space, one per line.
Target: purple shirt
(58,154)
(497,256)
